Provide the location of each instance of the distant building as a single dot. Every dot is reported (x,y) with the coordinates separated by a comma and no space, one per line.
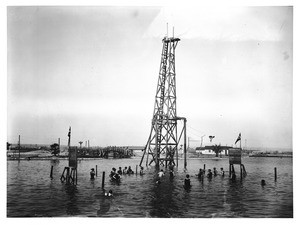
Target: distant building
(208,150)
(205,151)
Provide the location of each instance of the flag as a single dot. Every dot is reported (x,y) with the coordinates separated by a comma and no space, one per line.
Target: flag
(69,134)
(211,137)
(238,139)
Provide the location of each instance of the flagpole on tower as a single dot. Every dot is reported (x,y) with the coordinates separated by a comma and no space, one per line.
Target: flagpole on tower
(69,137)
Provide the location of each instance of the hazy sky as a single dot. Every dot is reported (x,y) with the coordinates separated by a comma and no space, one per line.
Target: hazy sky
(96,69)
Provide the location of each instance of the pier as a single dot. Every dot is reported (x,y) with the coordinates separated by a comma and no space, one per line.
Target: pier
(107,152)
(115,152)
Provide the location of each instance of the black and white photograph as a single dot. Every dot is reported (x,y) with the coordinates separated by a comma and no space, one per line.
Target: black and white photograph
(149,111)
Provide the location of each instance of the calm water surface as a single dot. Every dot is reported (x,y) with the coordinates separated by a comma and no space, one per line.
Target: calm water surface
(31,193)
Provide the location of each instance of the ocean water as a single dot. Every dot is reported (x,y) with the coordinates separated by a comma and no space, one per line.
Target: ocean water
(31,192)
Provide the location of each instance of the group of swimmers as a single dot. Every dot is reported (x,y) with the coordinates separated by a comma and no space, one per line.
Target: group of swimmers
(116,175)
(210,173)
(187,181)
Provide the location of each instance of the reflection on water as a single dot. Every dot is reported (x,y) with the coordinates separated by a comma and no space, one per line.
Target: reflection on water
(163,202)
(105,203)
(235,197)
(31,192)
(71,201)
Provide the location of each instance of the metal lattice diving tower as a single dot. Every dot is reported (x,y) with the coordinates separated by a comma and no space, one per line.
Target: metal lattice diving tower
(163,142)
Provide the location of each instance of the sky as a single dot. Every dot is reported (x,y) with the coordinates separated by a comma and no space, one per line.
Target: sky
(96,69)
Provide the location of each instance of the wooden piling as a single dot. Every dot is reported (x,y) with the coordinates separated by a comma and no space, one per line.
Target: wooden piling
(51,172)
(19,146)
(76,175)
(103,179)
(241,171)
(275,173)
(136,169)
(96,171)
(244,170)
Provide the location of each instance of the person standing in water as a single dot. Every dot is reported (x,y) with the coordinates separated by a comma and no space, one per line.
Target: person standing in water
(142,171)
(171,174)
(160,175)
(109,194)
(130,171)
(187,181)
(200,174)
(120,171)
(222,172)
(209,174)
(92,174)
(215,171)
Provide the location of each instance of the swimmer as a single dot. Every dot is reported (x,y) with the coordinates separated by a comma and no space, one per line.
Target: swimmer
(171,174)
(200,174)
(215,171)
(222,172)
(130,171)
(263,182)
(142,171)
(161,173)
(92,174)
(120,171)
(209,173)
(187,181)
(109,194)
(112,172)
(125,170)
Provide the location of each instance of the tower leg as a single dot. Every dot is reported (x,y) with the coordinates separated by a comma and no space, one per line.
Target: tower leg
(68,175)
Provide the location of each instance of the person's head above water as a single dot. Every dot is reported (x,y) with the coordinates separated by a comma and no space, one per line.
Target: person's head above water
(187,176)
(109,194)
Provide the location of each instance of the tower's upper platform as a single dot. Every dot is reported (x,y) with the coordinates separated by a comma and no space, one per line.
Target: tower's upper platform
(170,39)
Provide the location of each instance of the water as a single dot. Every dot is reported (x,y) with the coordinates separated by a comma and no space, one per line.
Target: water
(31,193)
